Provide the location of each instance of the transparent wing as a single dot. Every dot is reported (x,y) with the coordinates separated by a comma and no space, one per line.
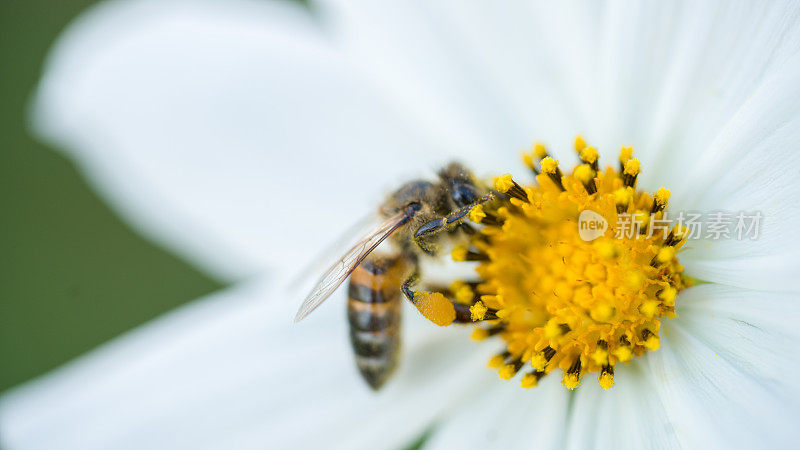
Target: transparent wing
(342,268)
(332,253)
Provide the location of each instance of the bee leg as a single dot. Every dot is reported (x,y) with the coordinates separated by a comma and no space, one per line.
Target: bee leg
(447,222)
(429,304)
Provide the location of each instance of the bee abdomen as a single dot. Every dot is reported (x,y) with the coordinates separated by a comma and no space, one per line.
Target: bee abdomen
(373,312)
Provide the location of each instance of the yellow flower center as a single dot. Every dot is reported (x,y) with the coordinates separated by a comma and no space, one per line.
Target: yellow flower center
(571,290)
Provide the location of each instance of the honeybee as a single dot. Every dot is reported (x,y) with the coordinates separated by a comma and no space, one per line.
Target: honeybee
(414,216)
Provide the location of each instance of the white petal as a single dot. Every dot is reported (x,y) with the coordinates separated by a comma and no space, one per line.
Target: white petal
(501,414)
(494,75)
(627,416)
(229,131)
(752,168)
(233,371)
(694,67)
(724,370)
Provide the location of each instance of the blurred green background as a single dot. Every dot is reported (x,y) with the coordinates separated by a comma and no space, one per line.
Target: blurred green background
(71,274)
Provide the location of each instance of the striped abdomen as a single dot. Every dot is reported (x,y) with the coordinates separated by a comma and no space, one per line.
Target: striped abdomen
(373,311)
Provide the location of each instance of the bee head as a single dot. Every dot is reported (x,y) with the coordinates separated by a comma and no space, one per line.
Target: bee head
(415,196)
(460,183)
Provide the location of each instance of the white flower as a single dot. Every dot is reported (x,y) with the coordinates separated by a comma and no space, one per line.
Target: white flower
(247,135)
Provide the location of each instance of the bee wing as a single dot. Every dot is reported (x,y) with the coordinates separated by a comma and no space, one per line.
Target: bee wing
(332,253)
(342,268)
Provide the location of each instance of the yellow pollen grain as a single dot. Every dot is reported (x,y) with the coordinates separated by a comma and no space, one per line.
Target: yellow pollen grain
(476,214)
(479,334)
(507,372)
(459,253)
(571,380)
(464,294)
(435,307)
(623,353)
(539,150)
(477,311)
(668,296)
(665,254)
(552,329)
(529,380)
(661,196)
(527,158)
(600,356)
(652,343)
(584,173)
(549,165)
(538,361)
(625,154)
(606,380)
(589,154)
(622,196)
(649,308)
(632,167)
(605,248)
(580,144)
(496,361)
(504,183)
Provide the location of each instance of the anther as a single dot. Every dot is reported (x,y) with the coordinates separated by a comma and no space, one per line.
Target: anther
(606,378)
(625,154)
(663,256)
(585,175)
(572,378)
(497,361)
(660,199)
(580,143)
(510,369)
(480,334)
(540,359)
(622,198)
(589,156)
(462,253)
(676,235)
(550,168)
(600,355)
(531,379)
(630,173)
(538,151)
(506,185)
(479,215)
(651,341)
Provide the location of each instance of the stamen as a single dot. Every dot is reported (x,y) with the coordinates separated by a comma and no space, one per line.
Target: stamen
(589,156)
(660,199)
(631,172)
(606,378)
(572,378)
(531,379)
(479,215)
(585,175)
(580,143)
(538,152)
(508,371)
(550,168)
(506,185)
(462,253)
(625,154)
(498,360)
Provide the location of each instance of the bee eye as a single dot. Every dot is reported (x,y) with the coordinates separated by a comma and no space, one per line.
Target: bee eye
(464,194)
(412,207)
